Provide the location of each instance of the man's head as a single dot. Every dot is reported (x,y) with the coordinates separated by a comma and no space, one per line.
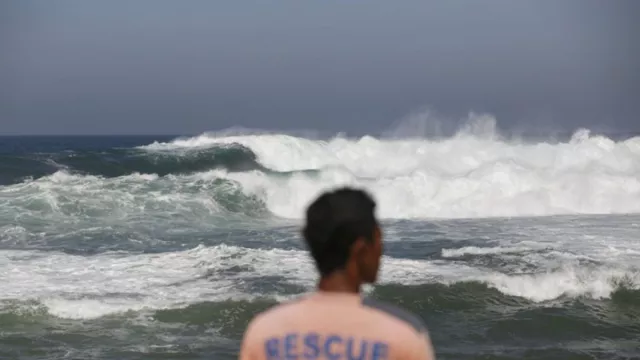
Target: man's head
(343,235)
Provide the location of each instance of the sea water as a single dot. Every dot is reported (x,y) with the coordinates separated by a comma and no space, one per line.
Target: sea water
(164,248)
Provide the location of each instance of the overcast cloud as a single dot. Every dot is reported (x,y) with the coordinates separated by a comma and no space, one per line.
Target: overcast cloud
(182,67)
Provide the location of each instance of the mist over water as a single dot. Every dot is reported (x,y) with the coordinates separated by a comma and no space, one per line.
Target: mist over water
(143,249)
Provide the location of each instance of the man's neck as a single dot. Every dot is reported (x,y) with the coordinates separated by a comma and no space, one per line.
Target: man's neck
(340,283)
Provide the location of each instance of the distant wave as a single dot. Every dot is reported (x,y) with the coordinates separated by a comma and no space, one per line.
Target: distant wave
(122,162)
(472,174)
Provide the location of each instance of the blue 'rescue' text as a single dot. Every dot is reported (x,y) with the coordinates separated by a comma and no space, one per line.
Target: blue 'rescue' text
(295,346)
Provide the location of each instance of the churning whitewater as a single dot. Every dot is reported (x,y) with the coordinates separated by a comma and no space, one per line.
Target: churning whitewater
(131,248)
(461,177)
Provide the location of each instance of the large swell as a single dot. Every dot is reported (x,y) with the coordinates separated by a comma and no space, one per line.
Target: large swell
(465,176)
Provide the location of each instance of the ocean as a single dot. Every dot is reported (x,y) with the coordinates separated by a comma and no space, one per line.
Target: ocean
(159,247)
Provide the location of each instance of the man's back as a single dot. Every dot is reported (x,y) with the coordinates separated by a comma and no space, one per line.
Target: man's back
(327,325)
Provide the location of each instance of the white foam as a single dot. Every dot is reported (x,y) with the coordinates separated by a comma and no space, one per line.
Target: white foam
(85,287)
(465,176)
(64,203)
(571,282)
(474,250)
(74,286)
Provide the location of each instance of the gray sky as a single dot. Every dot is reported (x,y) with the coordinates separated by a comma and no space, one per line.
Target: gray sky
(180,67)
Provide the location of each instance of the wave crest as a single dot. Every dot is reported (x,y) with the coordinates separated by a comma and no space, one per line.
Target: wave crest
(472,174)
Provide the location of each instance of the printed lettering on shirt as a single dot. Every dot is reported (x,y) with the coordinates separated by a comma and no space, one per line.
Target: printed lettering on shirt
(311,346)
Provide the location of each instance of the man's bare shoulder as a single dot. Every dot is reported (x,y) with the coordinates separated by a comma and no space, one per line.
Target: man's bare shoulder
(274,314)
(406,317)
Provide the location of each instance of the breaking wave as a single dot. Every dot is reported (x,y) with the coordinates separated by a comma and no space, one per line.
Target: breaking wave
(469,175)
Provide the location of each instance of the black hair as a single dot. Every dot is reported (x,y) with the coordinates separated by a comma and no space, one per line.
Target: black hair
(334,221)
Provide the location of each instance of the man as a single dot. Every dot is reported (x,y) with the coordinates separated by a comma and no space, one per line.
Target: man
(345,241)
